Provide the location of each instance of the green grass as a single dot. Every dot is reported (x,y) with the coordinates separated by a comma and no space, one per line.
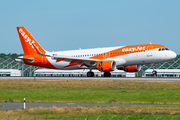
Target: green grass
(90,91)
(106,112)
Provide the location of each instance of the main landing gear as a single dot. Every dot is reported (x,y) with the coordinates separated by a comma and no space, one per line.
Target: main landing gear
(107,74)
(90,74)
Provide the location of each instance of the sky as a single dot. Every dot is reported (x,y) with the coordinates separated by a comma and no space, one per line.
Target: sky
(60,25)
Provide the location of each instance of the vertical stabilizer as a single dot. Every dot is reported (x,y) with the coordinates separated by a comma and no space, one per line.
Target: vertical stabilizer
(27,42)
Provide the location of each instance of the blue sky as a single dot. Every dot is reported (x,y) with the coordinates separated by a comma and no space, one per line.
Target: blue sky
(69,24)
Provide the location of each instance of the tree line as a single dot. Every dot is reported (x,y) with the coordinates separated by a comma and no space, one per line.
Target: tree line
(13,55)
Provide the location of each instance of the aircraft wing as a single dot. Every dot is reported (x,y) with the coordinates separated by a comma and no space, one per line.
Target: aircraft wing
(72,60)
(67,58)
(75,60)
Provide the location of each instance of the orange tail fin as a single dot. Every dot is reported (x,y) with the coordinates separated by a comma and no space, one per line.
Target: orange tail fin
(27,42)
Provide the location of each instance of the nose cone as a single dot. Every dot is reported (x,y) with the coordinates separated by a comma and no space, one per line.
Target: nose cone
(172,55)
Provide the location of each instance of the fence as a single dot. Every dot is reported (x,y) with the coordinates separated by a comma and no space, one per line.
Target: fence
(93,117)
(27,70)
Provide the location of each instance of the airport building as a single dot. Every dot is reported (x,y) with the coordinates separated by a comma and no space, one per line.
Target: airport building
(163,73)
(78,73)
(9,72)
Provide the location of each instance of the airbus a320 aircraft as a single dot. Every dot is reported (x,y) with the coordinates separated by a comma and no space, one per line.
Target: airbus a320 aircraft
(127,58)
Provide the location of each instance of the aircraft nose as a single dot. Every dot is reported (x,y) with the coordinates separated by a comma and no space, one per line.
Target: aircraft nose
(173,55)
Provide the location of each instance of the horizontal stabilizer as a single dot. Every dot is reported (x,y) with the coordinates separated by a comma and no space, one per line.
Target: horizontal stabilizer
(20,59)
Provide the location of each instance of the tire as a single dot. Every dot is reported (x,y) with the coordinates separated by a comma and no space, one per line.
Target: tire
(154,72)
(90,74)
(107,74)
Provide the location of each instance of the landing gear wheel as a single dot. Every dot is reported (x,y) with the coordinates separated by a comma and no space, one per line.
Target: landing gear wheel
(107,74)
(154,72)
(90,74)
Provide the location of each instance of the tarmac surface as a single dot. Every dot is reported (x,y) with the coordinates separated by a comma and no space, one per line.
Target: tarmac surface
(32,105)
(94,78)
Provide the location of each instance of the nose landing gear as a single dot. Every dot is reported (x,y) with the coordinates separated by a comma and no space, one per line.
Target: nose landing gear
(154,72)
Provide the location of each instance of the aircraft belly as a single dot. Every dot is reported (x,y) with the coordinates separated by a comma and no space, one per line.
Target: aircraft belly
(137,59)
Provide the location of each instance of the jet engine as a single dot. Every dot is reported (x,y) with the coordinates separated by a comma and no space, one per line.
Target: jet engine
(131,68)
(106,66)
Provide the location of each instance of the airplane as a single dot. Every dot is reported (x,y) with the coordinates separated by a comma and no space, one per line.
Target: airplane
(107,59)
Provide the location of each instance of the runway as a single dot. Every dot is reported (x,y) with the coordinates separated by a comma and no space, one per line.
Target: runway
(20,105)
(93,78)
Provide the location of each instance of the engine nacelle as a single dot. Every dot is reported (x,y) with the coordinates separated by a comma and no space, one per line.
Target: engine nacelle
(106,66)
(131,68)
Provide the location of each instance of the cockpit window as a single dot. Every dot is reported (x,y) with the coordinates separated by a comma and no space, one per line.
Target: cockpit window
(163,49)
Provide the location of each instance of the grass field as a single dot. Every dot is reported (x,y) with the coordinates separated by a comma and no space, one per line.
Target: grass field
(132,111)
(75,111)
(91,91)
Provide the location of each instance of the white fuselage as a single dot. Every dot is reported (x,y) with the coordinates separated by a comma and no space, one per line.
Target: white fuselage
(137,58)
